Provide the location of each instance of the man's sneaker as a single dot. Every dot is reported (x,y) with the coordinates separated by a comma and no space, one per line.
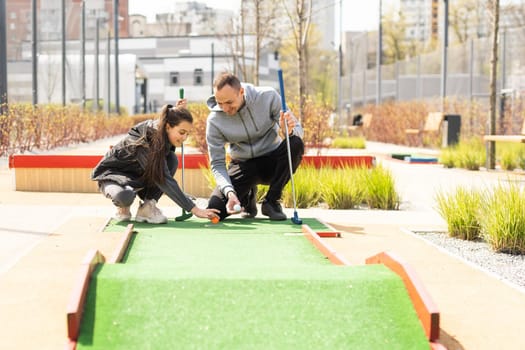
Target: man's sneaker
(273,210)
(250,211)
(148,212)
(123,214)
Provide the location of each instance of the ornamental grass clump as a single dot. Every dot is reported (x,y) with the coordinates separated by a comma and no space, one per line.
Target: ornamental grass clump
(461,212)
(510,155)
(343,188)
(471,154)
(447,157)
(349,142)
(508,160)
(380,189)
(503,219)
(307,193)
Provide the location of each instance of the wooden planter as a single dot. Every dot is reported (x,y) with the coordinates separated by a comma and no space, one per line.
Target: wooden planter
(72,173)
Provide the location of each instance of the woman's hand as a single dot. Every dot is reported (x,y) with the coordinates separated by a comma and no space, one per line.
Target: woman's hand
(205,213)
(182,103)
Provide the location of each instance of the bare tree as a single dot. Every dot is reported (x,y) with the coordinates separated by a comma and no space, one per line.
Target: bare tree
(396,44)
(300,20)
(463,15)
(254,31)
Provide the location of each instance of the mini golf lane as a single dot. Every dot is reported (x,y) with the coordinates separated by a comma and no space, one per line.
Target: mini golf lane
(242,284)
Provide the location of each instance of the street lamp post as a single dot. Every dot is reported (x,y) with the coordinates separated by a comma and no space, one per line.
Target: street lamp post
(99,22)
(116,19)
(96,105)
(379,54)
(340,67)
(3,58)
(108,68)
(444,58)
(83,52)
(34,51)
(63,19)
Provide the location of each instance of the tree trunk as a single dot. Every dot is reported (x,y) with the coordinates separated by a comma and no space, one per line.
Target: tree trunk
(491,151)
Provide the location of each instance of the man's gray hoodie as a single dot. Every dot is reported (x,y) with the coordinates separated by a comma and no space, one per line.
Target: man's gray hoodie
(252,132)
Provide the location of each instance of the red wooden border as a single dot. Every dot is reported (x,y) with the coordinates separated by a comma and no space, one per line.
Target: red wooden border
(329,234)
(426,310)
(75,308)
(52,161)
(191,161)
(119,252)
(331,254)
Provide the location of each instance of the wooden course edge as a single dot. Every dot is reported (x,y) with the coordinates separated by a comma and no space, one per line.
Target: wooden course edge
(75,308)
(331,254)
(425,307)
(122,246)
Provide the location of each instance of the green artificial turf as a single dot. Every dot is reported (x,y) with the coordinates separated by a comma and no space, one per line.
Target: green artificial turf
(328,307)
(242,284)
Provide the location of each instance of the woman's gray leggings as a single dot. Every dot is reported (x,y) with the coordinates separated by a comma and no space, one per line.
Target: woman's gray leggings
(121,196)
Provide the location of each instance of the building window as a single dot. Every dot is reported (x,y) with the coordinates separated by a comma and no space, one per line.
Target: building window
(197,76)
(174,78)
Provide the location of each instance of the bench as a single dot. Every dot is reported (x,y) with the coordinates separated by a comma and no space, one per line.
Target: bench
(432,125)
(360,124)
(507,138)
(72,173)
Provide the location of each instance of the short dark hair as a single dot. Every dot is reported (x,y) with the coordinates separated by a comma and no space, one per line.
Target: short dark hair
(227,78)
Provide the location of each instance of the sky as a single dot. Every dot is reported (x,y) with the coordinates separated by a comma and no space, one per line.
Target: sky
(358,15)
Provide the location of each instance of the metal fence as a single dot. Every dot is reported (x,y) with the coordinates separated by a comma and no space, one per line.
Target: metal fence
(468,70)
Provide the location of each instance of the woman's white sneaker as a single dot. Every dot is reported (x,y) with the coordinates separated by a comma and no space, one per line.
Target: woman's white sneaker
(148,212)
(123,214)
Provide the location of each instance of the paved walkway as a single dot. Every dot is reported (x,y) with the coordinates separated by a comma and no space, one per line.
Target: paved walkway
(44,237)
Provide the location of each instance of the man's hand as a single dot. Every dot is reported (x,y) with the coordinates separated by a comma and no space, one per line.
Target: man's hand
(290,122)
(232,201)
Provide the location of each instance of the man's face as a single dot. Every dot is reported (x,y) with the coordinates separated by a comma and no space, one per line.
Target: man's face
(229,99)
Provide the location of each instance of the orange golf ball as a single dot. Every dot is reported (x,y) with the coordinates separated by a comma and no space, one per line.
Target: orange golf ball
(214,220)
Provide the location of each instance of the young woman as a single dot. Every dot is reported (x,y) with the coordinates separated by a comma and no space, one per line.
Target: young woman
(143,164)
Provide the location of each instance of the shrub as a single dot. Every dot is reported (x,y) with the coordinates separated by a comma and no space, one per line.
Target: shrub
(510,155)
(343,188)
(461,212)
(447,157)
(307,194)
(502,219)
(349,142)
(27,127)
(471,154)
(380,189)
(468,153)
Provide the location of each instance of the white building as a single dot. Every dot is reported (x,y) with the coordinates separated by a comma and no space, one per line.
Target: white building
(151,71)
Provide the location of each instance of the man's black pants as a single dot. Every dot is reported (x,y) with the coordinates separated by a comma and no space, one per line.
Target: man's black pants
(271,169)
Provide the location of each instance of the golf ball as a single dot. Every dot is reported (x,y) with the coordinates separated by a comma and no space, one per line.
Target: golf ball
(236,207)
(215,220)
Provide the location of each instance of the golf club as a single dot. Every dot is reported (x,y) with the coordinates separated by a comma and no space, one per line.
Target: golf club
(185,215)
(295,219)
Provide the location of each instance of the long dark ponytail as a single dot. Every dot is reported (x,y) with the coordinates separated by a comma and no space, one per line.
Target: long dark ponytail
(154,172)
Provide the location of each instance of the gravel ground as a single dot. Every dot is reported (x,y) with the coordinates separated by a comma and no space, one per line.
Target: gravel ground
(507,267)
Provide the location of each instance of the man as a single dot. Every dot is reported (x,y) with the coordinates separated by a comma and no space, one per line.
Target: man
(248,119)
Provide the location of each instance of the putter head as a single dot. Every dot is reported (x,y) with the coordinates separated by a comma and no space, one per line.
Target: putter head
(295,219)
(184,216)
